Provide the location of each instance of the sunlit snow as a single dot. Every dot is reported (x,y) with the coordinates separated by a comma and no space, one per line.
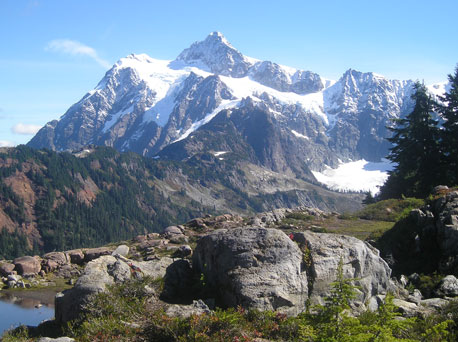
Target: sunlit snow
(115,117)
(224,105)
(160,78)
(359,175)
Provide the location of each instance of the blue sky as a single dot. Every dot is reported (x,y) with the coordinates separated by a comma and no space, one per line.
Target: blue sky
(53,52)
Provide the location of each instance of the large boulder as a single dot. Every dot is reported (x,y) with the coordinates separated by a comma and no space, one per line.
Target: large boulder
(427,240)
(121,250)
(178,286)
(59,257)
(98,274)
(253,267)
(75,256)
(322,254)
(6,269)
(94,279)
(448,287)
(27,265)
(94,253)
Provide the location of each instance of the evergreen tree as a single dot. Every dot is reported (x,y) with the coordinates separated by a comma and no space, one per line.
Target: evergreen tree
(415,151)
(449,111)
(369,199)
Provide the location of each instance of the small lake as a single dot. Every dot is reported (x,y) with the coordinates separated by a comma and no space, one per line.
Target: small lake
(25,307)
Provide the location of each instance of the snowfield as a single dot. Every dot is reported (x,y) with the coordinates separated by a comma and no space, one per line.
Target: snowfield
(358,175)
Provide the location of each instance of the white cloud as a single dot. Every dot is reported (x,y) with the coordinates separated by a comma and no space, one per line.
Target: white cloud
(25,129)
(74,48)
(6,143)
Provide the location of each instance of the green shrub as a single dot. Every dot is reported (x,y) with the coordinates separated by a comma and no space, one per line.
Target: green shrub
(390,210)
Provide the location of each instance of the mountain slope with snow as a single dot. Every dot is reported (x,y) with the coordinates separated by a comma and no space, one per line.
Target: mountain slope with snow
(144,105)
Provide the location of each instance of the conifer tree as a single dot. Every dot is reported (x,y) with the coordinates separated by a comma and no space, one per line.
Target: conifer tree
(415,151)
(449,142)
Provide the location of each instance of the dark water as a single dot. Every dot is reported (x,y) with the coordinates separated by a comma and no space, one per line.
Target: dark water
(25,307)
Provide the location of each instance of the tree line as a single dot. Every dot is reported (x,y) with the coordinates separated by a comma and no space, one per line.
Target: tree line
(425,144)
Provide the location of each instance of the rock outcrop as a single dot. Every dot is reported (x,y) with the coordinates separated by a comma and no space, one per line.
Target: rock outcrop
(253,267)
(100,273)
(361,261)
(27,265)
(448,287)
(427,240)
(265,269)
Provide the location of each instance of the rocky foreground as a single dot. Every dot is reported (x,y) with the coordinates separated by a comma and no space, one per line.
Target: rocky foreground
(230,261)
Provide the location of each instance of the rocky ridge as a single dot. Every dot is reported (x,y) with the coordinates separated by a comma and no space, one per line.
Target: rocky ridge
(256,262)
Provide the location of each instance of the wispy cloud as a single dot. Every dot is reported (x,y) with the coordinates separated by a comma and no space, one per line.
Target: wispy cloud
(25,129)
(6,143)
(74,48)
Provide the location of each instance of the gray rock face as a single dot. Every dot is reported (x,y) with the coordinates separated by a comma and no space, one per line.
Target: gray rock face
(198,307)
(265,269)
(94,279)
(360,261)
(433,238)
(363,105)
(448,287)
(447,223)
(121,250)
(98,274)
(253,267)
(274,76)
(178,282)
(59,339)
(217,55)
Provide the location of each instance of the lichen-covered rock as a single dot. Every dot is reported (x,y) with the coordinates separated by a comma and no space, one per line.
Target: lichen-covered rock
(198,307)
(448,287)
(27,265)
(95,278)
(253,267)
(360,260)
(97,275)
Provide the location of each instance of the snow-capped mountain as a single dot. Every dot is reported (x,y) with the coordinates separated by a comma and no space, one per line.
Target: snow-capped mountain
(290,120)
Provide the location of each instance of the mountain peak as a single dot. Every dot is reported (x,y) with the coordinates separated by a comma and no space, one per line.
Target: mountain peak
(219,37)
(216,55)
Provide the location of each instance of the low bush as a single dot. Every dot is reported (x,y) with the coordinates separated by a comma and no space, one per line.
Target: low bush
(390,210)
